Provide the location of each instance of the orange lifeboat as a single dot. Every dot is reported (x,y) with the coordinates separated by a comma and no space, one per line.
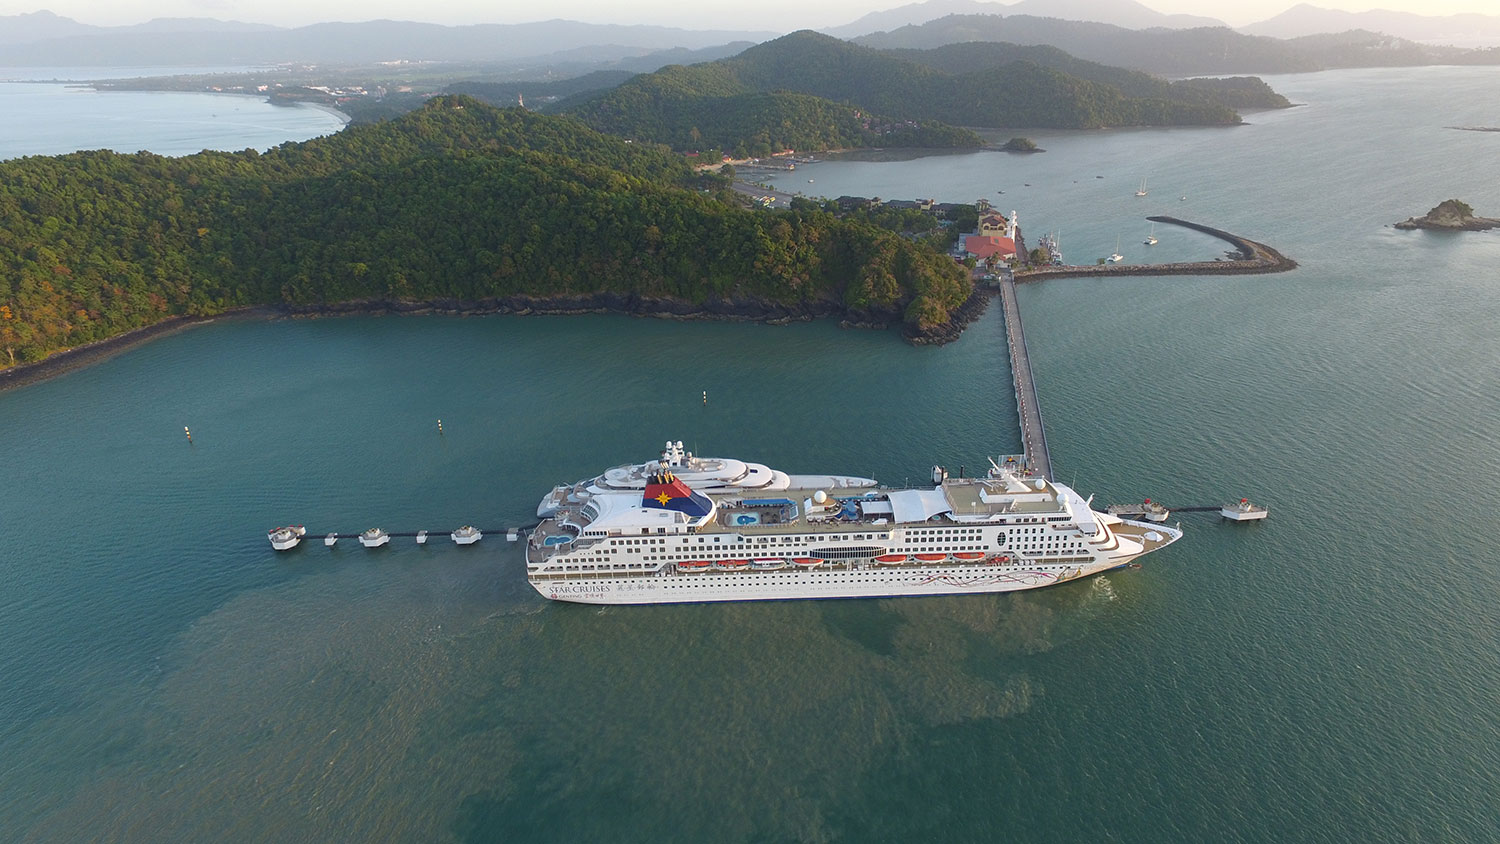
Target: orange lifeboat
(969,556)
(807,562)
(931,558)
(767,563)
(732,565)
(693,566)
(891,559)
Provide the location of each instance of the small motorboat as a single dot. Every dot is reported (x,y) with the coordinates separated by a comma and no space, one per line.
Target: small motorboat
(421,537)
(286,538)
(891,559)
(374,538)
(330,539)
(466,535)
(1244,511)
(1154,511)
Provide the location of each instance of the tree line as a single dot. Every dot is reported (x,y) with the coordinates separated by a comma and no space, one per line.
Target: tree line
(455,201)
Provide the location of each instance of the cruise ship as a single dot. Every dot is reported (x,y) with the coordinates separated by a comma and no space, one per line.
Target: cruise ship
(705,474)
(671,543)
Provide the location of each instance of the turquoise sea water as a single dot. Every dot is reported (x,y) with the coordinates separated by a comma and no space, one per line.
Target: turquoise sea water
(1328,675)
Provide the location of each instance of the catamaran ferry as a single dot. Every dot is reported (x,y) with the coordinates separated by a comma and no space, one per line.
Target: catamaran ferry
(671,543)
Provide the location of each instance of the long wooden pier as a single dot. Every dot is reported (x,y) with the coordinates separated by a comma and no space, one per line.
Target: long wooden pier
(1033,432)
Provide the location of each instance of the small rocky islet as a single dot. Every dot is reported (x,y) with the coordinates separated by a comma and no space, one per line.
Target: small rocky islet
(1450,215)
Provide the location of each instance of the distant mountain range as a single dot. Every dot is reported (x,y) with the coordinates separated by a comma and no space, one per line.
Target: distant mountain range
(1115,32)
(1469,30)
(44,39)
(1181,52)
(1125,13)
(42,26)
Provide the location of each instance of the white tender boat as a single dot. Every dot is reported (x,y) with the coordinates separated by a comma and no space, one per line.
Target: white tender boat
(374,538)
(286,538)
(466,535)
(421,537)
(1244,511)
(1154,511)
(330,539)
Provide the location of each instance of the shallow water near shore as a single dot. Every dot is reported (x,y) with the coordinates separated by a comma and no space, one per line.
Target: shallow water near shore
(1327,675)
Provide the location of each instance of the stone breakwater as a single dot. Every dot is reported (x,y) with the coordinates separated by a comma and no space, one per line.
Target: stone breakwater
(1249,257)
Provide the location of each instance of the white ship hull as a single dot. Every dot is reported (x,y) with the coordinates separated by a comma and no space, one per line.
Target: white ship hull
(670,544)
(790,585)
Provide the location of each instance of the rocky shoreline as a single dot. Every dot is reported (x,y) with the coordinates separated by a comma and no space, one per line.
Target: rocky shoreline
(1250,257)
(78,357)
(725,310)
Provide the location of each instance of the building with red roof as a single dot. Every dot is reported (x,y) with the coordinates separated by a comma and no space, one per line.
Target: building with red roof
(985,246)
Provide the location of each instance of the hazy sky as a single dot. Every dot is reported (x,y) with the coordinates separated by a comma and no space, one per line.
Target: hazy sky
(769,15)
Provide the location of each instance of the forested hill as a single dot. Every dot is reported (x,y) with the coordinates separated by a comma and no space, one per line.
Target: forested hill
(457,202)
(705,106)
(1244,92)
(996,91)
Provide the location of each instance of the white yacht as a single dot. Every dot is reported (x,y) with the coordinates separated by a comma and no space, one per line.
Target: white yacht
(1244,511)
(1115,257)
(374,538)
(466,535)
(1142,191)
(705,474)
(671,543)
(1151,238)
(286,538)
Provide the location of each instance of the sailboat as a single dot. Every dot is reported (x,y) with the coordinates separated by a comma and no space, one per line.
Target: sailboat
(1151,238)
(1116,257)
(1142,191)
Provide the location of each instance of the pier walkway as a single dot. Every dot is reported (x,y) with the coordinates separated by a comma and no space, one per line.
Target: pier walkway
(1033,433)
